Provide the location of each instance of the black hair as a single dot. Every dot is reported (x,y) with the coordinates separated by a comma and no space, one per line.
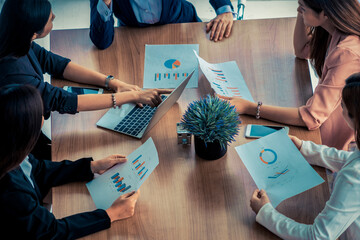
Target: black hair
(351,99)
(19,20)
(21,111)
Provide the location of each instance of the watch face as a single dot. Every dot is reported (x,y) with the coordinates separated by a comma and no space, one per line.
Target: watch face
(107,80)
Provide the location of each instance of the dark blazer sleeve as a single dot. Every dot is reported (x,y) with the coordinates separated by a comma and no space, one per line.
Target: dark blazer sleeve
(48,174)
(220,3)
(54,98)
(101,33)
(27,219)
(50,63)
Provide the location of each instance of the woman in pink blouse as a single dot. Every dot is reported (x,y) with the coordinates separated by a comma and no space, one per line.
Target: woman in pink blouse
(327,33)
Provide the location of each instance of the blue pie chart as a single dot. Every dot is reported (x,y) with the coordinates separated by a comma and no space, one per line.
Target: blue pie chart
(172,63)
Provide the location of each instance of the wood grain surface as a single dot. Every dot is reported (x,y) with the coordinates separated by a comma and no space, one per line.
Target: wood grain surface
(186,197)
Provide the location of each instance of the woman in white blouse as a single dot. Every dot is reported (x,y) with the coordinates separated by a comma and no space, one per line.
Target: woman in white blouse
(342,211)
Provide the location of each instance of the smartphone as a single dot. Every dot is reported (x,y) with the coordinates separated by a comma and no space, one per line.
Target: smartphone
(258,131)
(82,90)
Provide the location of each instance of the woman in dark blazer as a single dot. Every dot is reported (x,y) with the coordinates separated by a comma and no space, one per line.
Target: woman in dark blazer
(23,61)
(24,180)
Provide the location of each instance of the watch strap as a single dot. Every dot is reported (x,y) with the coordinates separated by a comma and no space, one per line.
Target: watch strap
(107,80)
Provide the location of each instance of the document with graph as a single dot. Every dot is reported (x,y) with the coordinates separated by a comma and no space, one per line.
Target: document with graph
(124,177)
(277,166)
(225,78)
(166,66)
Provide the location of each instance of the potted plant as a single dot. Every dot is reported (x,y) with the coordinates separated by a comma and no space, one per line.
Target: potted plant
(214,124)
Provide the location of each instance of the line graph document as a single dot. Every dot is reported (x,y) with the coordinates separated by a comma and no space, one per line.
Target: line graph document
(124,177)
(277,166)
(225,78)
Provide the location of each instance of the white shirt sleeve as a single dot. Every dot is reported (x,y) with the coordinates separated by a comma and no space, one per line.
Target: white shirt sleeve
(324,156)
(342,209)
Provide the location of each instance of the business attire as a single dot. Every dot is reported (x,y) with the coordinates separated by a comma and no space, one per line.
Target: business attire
(341,215)
(142,13)
(22,191)
(30,68)
(323,109)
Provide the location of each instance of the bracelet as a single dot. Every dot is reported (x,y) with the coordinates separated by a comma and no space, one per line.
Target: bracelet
(113,100)
(258,110)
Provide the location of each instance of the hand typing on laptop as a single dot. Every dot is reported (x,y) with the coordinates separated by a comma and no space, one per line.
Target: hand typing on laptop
(136,121)
(150,97)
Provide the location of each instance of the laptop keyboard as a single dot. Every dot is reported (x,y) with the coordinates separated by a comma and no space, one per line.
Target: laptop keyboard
(136,120)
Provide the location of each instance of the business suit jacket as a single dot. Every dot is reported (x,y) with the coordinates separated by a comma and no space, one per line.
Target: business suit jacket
(22,213)
(173,11)
(30,68)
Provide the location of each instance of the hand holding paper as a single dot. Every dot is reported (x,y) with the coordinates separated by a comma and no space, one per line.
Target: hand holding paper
(125,177)
(277,166)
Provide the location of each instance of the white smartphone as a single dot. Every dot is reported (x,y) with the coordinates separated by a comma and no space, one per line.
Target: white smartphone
(258,131)
(82,90)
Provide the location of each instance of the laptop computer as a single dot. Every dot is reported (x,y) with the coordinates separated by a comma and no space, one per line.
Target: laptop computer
(134,121)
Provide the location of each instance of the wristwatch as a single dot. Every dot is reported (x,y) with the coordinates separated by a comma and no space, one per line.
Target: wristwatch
(107,80)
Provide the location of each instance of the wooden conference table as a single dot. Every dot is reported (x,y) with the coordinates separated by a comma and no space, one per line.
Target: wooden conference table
(186,197)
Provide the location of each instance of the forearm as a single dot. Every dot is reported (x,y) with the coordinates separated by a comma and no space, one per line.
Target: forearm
(89,102)
(301,38)
(282,226)
(80,74)
(284,115)
(324,156)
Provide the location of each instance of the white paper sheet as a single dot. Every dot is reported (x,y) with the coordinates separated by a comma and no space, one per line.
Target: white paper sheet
(124,177)
(225,78)
(277,166)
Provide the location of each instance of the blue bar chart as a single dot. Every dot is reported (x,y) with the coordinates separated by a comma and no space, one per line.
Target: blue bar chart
(169,76)
(119,183)
(140,167)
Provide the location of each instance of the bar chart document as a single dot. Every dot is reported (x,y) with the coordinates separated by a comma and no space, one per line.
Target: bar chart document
(277,166)
(166,66)
(124,177)
(225,78)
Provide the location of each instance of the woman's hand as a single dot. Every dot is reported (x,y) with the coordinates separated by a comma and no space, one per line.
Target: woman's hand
(242,106)
(100,166)
(119,86)
(296,141)
(258,200)
(123,207)
(151,96)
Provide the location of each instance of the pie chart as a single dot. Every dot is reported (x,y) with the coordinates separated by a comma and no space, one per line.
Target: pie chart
(172,63)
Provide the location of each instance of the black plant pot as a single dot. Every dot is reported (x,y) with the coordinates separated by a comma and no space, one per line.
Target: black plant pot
(210,151)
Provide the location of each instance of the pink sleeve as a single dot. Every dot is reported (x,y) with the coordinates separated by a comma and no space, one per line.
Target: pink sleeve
(327,95)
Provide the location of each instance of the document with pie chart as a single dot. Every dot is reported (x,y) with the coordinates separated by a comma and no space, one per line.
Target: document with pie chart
(166,66)
(277,166)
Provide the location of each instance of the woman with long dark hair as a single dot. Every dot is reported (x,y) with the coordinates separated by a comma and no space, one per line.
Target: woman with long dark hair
(328,33)
(23,61)
(342,211)
(25,181)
